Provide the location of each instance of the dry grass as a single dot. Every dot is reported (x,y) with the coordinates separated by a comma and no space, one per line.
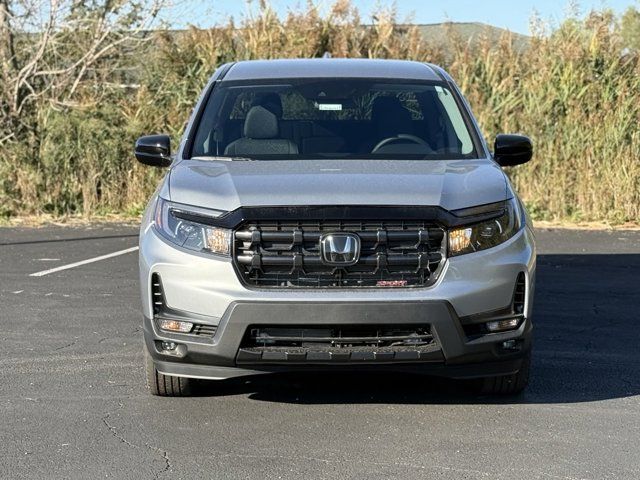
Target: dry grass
(572,91)
(572,225)
(43,220)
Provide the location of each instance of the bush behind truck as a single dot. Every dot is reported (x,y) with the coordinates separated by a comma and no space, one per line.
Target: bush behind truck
(575,90)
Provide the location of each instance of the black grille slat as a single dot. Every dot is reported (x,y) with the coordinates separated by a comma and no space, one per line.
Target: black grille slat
(157,294)
(338,344)
(348,335)
(287,254)
(204,330)
(289,260)
(519,294)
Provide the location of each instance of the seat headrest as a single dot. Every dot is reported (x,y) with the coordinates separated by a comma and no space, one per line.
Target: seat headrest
(271,101)
(260,123)
(383,105)
(390,117)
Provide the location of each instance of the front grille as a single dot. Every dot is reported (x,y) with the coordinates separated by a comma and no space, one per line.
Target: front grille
(335,344)
(287,254)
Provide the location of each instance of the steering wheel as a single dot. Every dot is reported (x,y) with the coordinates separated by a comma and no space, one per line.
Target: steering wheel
(400,136)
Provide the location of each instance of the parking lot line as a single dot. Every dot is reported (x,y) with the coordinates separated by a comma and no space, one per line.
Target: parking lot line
(83,262)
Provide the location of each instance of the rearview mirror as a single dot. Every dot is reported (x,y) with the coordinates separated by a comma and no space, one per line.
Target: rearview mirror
(154,150)
(512,150)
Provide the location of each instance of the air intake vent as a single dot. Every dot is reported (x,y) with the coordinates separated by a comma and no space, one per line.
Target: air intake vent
(339,344)
(204,330)
(157,294)
(519,294)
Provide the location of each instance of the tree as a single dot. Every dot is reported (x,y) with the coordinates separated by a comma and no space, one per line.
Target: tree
(50,50)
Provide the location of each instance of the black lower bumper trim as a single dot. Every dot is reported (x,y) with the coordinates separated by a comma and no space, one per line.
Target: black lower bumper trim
(331,355)
(439,369)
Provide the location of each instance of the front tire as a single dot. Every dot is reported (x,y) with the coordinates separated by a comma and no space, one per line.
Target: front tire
(512,384)
(165,385)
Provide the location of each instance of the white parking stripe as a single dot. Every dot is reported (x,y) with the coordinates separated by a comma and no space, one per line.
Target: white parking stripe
(83,262)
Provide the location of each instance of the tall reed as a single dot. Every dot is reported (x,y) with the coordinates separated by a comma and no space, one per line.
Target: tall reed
(574,91)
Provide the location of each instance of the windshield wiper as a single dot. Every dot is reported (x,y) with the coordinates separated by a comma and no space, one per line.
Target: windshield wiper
(227,159)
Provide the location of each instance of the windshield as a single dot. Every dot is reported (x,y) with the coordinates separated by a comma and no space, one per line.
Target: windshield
(332,118)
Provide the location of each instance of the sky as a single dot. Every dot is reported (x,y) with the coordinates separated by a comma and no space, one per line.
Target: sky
(513,15)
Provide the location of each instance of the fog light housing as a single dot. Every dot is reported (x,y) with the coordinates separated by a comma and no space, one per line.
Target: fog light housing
(502,325)
(169,345)
(177,326)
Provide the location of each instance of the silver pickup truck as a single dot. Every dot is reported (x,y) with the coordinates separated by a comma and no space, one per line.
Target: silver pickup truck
(335,215)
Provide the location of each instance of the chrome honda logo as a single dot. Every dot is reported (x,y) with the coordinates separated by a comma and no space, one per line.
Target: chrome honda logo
(340,249)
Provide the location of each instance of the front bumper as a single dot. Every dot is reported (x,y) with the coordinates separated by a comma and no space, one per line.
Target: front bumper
(209,289)
(219,358)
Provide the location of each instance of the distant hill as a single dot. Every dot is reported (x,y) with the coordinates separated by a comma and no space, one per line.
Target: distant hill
(437,33)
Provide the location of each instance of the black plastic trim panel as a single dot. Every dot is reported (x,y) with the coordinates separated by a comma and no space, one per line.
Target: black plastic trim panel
(426,353)
(438,215)
(496,208)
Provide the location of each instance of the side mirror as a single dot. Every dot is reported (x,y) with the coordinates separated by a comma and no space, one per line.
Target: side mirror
(154,150)
(512,150)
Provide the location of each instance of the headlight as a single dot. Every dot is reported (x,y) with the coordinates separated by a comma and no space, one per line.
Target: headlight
(487,234)
(179,224)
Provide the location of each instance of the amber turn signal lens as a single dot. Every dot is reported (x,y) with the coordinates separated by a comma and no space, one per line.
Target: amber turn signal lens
(502,325)
(459,240)
(218,240)
(175,325)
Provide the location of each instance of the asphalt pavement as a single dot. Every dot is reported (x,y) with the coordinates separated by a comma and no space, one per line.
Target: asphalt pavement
(73,402)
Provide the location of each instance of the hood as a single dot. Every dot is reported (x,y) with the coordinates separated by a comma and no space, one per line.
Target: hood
(227,185)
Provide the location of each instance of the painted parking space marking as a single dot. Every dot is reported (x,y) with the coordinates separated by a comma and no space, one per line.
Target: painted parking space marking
(83,262)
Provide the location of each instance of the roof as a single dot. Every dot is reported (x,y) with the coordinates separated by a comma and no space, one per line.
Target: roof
(330,68)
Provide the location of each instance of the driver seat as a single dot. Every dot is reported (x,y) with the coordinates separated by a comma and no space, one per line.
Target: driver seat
(389,118)
(261,136)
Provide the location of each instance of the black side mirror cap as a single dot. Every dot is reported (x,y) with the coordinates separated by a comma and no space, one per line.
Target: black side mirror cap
(154,150)
(512,150)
